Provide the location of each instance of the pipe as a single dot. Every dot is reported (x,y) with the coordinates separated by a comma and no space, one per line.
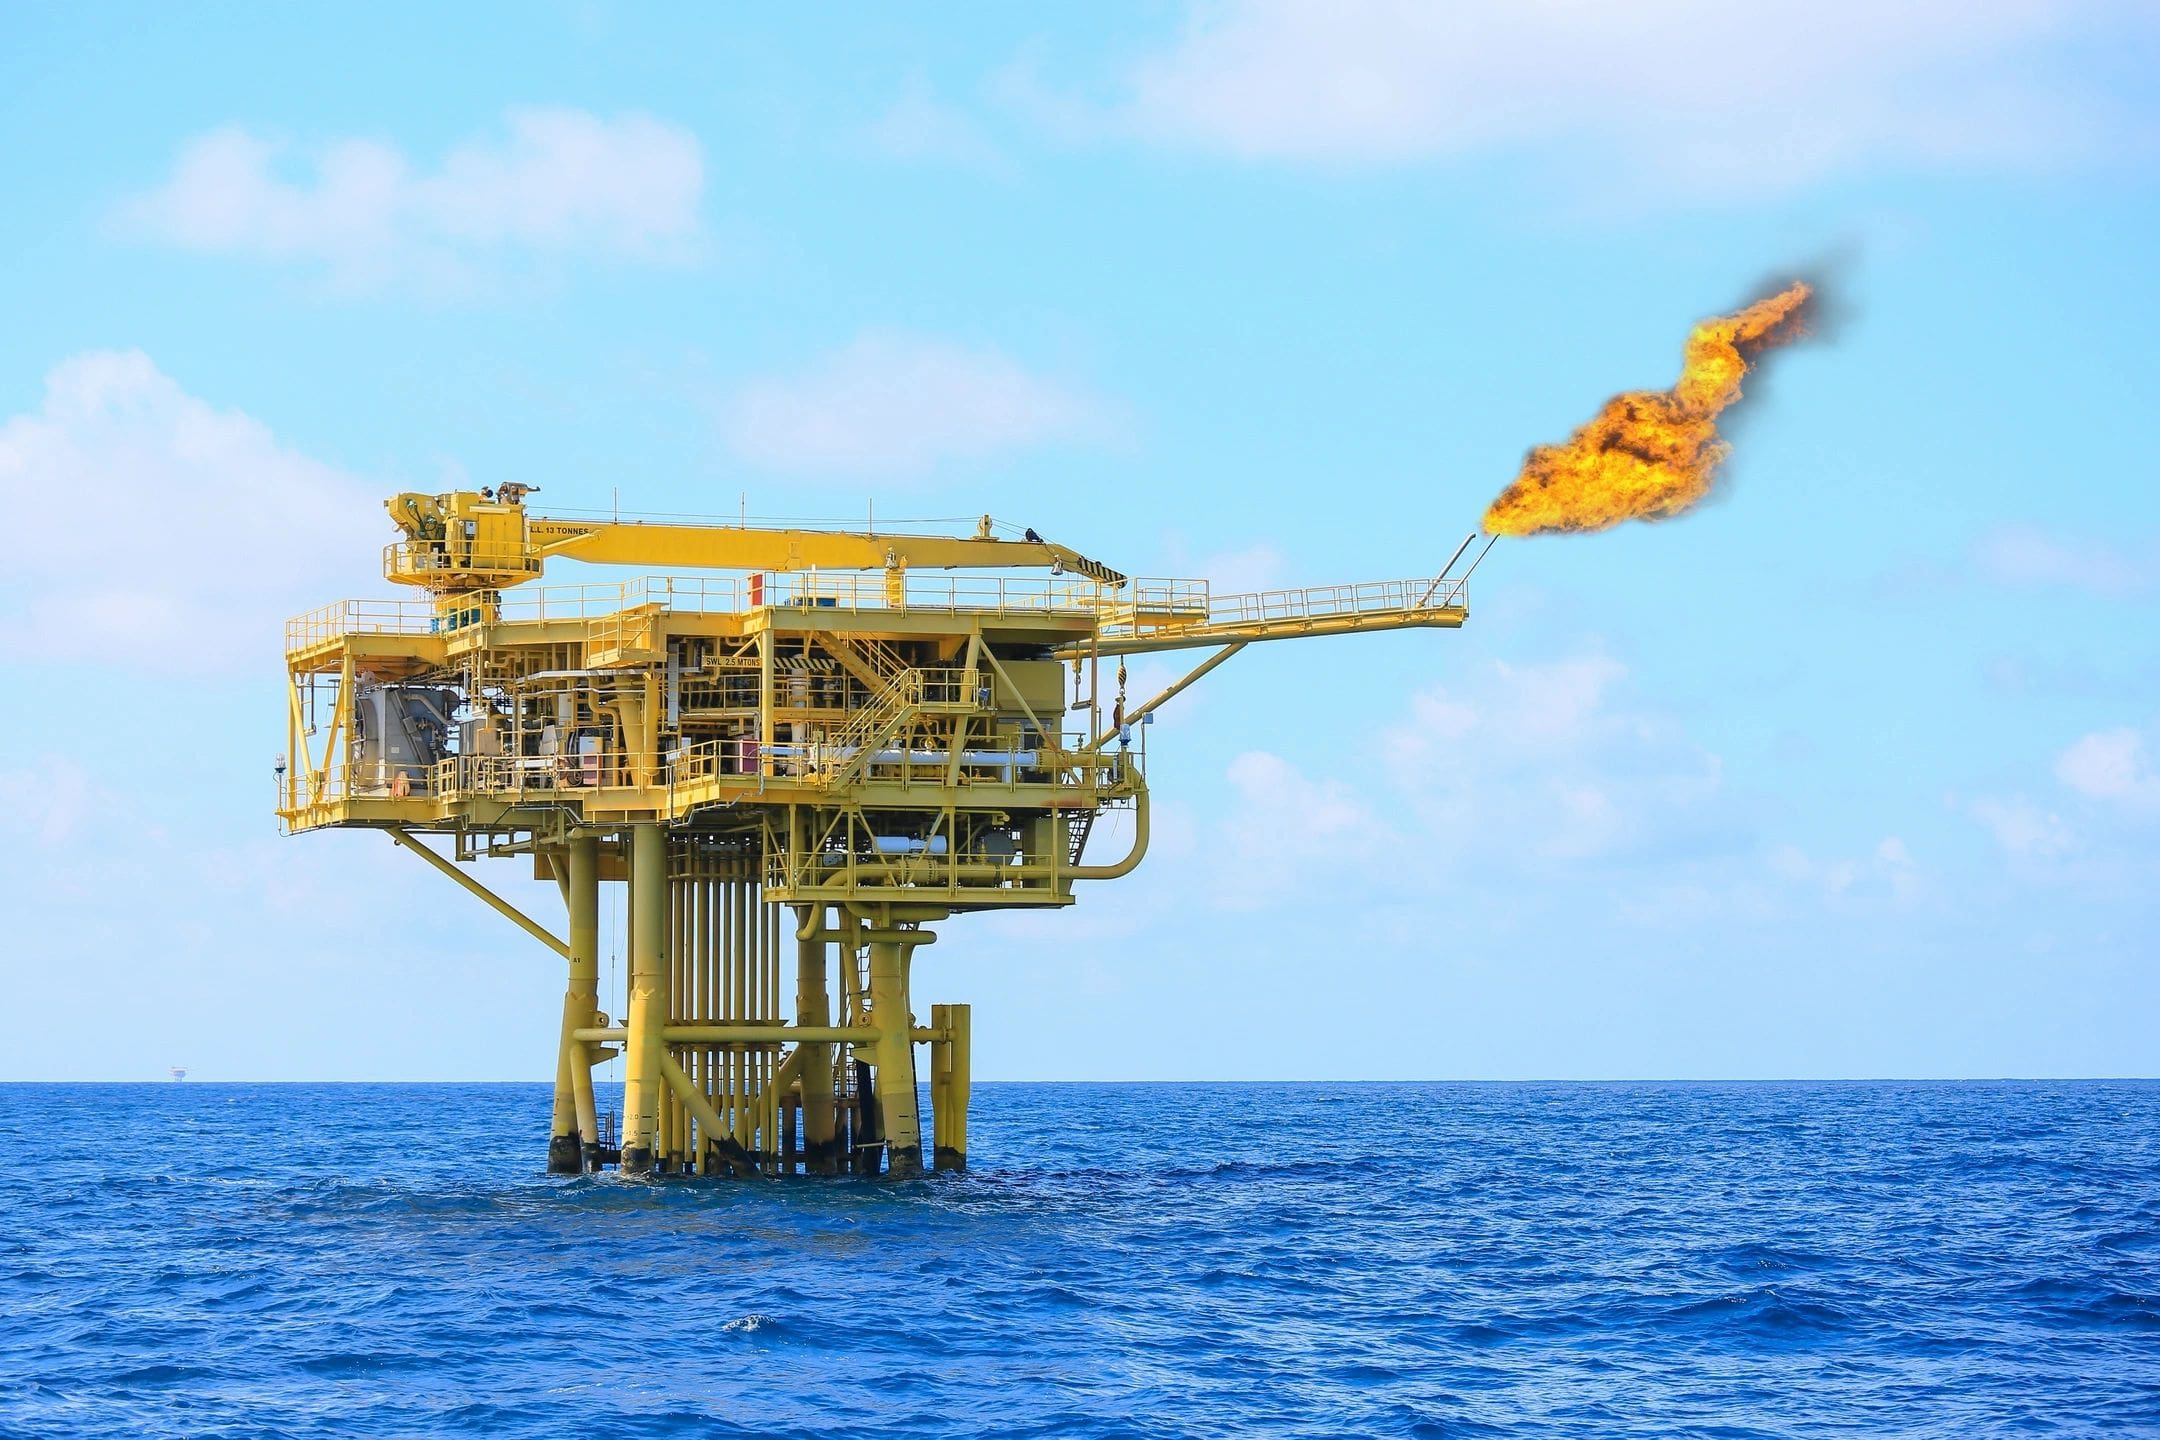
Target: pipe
(866,936)
(692,1098)
(899,1120)
(873,866)
(648,1009)
(814,1060)
(1169,692)
(950,1066)
(935,846)
(572,1148)
(758,1034)
(503,907)
(1480,559)
(735,1034)
(1439,579)
(1132,860)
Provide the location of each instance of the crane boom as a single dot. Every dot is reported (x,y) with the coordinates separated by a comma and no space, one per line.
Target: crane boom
(469,541)
(729,547)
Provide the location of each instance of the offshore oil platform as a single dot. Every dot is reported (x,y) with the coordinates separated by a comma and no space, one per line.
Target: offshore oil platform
(824,742)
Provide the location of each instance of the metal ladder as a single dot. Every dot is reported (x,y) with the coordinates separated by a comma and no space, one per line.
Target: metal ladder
(887,708)
(1077,826)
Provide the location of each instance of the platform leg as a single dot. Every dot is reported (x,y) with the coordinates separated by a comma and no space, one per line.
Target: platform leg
(644,1046)
(813,1006)
(863,1124)
(899,1117)
(950,1085)
(573,1143)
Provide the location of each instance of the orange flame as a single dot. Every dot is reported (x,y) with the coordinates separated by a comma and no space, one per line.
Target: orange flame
(1650,454)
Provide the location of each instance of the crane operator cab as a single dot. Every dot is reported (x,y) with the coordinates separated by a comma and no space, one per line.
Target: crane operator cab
(465,540)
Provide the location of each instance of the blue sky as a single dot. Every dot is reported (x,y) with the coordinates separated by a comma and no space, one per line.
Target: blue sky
(1855,772)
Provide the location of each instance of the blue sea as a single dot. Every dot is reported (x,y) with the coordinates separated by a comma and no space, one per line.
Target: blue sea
(1121,1260)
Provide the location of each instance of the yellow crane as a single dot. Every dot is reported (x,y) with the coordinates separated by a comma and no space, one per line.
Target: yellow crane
(823,742)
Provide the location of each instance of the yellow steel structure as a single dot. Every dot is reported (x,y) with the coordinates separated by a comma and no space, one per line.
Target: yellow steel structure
(824,743)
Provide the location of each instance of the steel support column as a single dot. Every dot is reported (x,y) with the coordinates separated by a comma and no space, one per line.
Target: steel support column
(813,1007)
(950,1085)
(646,1048)
(574,1143)
(899,1113)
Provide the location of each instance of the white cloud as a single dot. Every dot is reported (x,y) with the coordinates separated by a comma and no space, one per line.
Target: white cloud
(165,530)
(50,802)
(2028,555)
(1235,570)
(557,182)
(1286,829)
(1712,96)
(1519,783)
(2110,797)
(1541,764)
(899,405)
(2024,830)
(1243,571)
(921,128)
(1890,872)
(2111,766)
(1533,713)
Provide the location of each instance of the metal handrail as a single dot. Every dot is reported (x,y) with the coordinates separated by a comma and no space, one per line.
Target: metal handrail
(453,555)
(1140,604)
(1315,602)
(872,590)
(992,760)
(359,617)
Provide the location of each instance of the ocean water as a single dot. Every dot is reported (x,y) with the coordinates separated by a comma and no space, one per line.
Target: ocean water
(1127,1260)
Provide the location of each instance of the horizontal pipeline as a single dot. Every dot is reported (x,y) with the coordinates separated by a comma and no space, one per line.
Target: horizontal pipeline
(869,935)
(757,1034)
(1000,759)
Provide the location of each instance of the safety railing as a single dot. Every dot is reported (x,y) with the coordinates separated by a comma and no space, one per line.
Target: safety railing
(861,857)
(1326,601)
(1317,602)
(1139,605)
(301,790)
(906,692)
(886,704)
(359,617)
(849,852)
(452,556)
(587,770)
(1004,762)
(1158,597)
(971,594)
(587,602)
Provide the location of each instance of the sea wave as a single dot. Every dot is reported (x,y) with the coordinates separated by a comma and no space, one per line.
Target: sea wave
(1429,1260)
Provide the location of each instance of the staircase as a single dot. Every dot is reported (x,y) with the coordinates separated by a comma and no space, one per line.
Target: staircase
(871,726)
(881,655)
(903,693)
(1078,823)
